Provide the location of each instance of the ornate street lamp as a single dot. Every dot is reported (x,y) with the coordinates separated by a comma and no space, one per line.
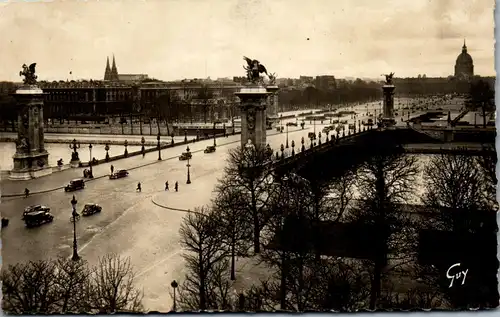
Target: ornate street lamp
(91,175)
(174,286)
(75,256)
(106,148)
(185,136)
(286,136)
(215,144)
(74,145)
(126,151)
(188,166)
(159,146)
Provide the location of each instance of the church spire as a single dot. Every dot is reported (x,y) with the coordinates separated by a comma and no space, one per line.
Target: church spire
(107,72)
(464,48)
(114,71)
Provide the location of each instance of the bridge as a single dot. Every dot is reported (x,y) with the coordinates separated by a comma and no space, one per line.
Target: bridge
(335,154)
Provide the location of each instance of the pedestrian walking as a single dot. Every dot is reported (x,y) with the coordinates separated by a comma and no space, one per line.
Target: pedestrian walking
(26,192)
(139,187)
(176,186)
(166,185)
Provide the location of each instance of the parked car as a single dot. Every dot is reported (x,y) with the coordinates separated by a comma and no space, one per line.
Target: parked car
(209,149)
(75,184)
(119,174)
(293,124)
(34,208)
(184,156)
(90,209)
(37,218)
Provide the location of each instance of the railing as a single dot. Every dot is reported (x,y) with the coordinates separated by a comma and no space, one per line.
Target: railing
(333,141)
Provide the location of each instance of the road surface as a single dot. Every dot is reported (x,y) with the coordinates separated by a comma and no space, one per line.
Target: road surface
(130,224)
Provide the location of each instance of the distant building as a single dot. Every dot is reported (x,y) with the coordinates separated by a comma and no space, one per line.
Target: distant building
(464,66)
(325,82)
(111,74)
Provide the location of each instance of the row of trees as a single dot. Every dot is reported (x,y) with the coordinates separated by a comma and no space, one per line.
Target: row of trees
(64,286)
(310,263)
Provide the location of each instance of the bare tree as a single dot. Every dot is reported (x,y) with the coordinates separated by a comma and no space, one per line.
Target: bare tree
(230,208)
(454,191)
(112,286)
(201,239)
(247,170)
(72,283)
(30,288)
(66,286)
(385,180)
(481,96)
(488,162)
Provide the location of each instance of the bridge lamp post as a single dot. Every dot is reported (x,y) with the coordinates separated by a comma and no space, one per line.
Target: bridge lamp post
(91,175)
(214,134)
(174,286)
(75,256)
(188,181)
(293,147)
(158,145)
(287,137)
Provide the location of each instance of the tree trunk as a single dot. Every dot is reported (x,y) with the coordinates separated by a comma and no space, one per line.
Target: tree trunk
(284,272)
(256,226)
(484,115)
(233,264)
(131,125)
(376,283)
(140,125)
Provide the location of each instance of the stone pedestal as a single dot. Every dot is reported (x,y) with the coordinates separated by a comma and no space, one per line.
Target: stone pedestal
(31,160)
(272,109)
(388,105)
(253,104)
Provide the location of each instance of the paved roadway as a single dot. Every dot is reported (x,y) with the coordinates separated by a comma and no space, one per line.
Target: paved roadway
(130,224)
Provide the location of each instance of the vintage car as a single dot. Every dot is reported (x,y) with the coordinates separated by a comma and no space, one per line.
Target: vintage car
(292,124)
(37,218)
(75,184)
(5,222)
(184,156)
(311,135)
(119,174)
(34,208)
(343,122)
(209,149)
(90,209)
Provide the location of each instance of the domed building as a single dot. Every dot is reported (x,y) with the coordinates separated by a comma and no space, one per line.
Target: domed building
(464,67)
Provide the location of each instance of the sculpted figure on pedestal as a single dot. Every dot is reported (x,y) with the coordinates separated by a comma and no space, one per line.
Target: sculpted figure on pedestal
(29,74)
(388,78)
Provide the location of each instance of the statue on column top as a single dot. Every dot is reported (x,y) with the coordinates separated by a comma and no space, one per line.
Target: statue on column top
(29,74)
(254,68)
(388,78)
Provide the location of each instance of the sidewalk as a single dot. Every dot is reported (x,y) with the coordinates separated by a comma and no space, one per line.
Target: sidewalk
(57,181)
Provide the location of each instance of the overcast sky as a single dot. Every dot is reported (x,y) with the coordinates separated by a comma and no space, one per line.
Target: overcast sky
(176,39)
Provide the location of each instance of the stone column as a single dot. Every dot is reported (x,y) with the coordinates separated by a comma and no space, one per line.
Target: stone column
(31,160)
(388,105)
(41,129)
(253,115)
